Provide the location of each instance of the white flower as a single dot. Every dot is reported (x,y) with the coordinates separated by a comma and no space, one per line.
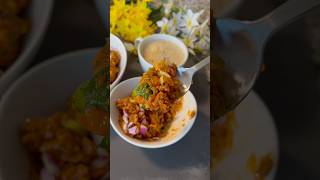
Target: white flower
(173,31)
(168,7)
(190,20)
(203,45)
(177,18)
(203,29)
(167,26)
(189,40)
(163,24)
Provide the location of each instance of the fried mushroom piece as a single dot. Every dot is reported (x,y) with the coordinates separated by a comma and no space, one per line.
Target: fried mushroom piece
(12,30)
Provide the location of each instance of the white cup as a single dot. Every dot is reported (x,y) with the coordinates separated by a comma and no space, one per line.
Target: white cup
(141,44)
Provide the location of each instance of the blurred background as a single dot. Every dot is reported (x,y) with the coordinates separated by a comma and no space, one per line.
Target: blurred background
(290,88)
(74,25)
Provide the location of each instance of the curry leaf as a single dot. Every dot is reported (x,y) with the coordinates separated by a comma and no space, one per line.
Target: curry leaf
(105,143)
(93,93)
(143,90)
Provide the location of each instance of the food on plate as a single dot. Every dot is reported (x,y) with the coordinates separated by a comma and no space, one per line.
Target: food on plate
(12,31)
(222,137)
(222,134)
(91,98)
(260,168)
(73,144)
(165,51)
(60,148)
(153,104)
(114,65)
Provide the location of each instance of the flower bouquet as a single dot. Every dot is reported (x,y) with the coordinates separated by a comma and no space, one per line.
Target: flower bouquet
(134,19)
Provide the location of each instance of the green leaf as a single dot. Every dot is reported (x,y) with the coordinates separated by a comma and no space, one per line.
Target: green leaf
(79,97)
(105,144)
(156,14)
(93,93)
(143,90)
(73,125)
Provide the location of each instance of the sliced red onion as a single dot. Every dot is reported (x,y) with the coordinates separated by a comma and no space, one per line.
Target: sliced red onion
(133,130)
(125,113)
(144,121)
(141,113)
(143,130)
(130,124)
(125,118)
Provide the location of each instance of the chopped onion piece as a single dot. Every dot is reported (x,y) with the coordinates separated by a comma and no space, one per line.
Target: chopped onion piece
(130,124)
(125,113)
(133,130)
(125,117)
(144,121)
(143,130)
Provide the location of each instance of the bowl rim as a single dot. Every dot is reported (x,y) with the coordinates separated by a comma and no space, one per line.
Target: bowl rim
(48,62)
(140,143)
(167,36)
(124,60)
(60,58)
(29,49)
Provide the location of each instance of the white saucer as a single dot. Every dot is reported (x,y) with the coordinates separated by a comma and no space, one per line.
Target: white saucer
(255,132)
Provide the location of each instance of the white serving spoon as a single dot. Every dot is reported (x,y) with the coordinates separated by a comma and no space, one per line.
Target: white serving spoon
(185,75)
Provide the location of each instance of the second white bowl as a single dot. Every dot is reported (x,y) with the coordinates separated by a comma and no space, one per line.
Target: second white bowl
(39,13)
(117,45)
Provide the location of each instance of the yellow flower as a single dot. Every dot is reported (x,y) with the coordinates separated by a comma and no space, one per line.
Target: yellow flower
(130,21)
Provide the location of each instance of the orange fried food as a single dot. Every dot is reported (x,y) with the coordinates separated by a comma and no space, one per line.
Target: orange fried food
(66,145)
(12,30)
(100,62)
(114,65)
(153,104)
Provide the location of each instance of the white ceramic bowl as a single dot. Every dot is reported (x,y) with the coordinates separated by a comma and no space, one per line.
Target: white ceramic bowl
(38,13)
(255,133)
(178,128)
(117,45)
(40,92)
(141,43)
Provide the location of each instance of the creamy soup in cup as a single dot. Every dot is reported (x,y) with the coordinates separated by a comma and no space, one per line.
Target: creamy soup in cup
(159,47)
